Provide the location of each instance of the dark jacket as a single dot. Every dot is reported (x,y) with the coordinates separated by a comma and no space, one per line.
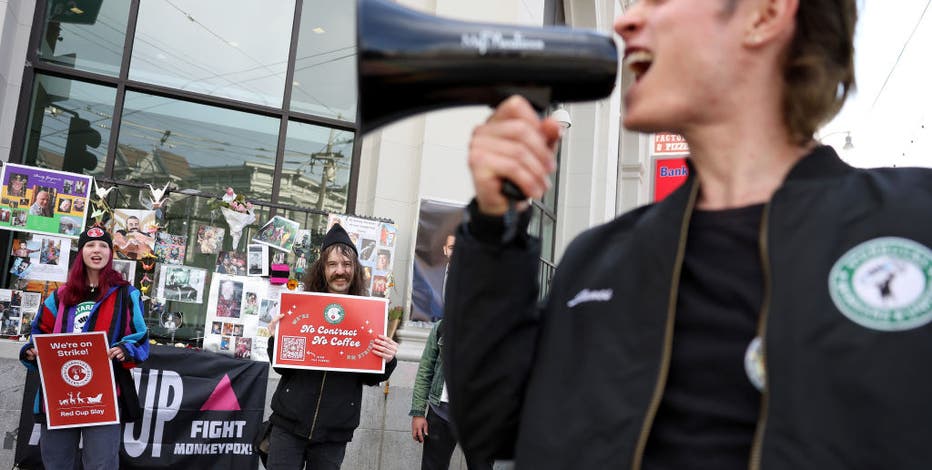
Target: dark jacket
(321,406)
(577,383)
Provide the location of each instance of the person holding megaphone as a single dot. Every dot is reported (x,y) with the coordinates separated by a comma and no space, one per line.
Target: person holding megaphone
(761,316)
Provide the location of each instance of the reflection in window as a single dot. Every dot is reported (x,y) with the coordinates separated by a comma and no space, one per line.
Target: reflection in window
(196,146)
(85,35)
(69,125)
(316,171)
(215,47)
(325,65)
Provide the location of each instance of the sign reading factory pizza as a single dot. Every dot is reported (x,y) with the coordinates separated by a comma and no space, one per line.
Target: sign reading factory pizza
(77,379)
(330,332)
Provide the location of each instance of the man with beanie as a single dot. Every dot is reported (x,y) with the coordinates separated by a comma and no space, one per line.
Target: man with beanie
(314,413)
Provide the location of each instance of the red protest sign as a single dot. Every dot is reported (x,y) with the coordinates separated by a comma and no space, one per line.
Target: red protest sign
(330,332)
(77,379)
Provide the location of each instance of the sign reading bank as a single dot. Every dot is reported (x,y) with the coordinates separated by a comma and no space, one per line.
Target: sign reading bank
(670,170)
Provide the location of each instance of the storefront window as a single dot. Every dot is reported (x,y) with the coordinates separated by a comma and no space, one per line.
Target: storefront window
(236,50)
(325,66)
(69,125)
(85,35)
(196,146)
(316,170)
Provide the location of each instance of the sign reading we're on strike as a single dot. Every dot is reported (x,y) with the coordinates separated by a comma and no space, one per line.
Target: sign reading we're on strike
(77,379)
(330,332)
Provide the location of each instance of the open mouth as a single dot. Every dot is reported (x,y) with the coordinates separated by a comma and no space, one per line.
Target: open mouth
(638,62)
(96,259)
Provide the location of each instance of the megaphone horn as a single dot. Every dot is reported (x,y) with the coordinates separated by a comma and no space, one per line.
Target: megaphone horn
(410,62)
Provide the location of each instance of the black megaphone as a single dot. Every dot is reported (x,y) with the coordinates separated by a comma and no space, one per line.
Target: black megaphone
(409,62)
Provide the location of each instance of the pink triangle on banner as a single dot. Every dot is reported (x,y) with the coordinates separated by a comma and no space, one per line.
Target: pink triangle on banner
(222,398)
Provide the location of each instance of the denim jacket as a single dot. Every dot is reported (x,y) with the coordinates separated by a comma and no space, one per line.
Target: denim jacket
(428,384)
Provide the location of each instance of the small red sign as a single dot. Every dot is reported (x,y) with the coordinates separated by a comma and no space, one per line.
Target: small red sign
(669,174)
(77,379)
(330,332)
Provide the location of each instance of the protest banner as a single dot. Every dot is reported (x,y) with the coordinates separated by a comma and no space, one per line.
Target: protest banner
(198,410)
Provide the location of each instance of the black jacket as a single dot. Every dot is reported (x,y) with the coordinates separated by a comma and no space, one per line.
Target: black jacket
(322,406)
(576,383)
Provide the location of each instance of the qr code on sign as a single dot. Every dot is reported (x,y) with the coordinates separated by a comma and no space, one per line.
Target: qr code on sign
(293,348)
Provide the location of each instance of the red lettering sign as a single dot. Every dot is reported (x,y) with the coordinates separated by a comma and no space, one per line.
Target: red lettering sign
(669,174)
(666,143)
(77,379)
(330,332)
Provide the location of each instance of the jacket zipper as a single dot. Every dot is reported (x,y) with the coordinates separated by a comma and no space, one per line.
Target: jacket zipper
(756,447)
(668,333)
(320,395)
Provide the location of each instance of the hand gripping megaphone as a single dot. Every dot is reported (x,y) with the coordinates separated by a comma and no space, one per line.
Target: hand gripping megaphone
(409,62)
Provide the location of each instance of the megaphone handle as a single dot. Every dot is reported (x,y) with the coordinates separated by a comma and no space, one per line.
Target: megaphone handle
(512,192)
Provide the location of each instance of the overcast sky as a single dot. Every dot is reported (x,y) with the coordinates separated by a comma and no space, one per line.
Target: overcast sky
(889,123)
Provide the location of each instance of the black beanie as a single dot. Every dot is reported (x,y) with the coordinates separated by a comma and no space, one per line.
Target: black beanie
(337,234)
(94,233)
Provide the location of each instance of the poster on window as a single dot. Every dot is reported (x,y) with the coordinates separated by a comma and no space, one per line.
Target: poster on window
(131,231)
(17,309)
(279,233)
(126,268)
(181,283)
(434,243)
(330,332)
(40,200)
(47,257)
(209,239)
(239,309)
(170,249)
(77,379)
(375,243)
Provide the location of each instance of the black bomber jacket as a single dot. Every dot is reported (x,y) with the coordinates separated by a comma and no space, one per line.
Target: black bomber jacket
(576,383)
(321,406)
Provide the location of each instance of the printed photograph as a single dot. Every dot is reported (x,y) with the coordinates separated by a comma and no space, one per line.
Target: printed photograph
(69,226)
(16,185)
(231,262)
(170,249)
(131,229)
(43,198)
(230,298)
(209,239)
(250,304)
(279,233)
(126,268)
(243,348)
(257,260)
(182,283)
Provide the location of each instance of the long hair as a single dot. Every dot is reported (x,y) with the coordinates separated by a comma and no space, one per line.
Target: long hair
(316,279)
(75,289)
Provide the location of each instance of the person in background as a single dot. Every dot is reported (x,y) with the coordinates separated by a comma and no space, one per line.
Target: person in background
(95,298)
(314,413)
(764,315)
(430,409)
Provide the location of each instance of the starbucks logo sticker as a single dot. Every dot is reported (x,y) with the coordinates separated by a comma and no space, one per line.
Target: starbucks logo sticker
(334,313)
(76,373)
(884,284)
